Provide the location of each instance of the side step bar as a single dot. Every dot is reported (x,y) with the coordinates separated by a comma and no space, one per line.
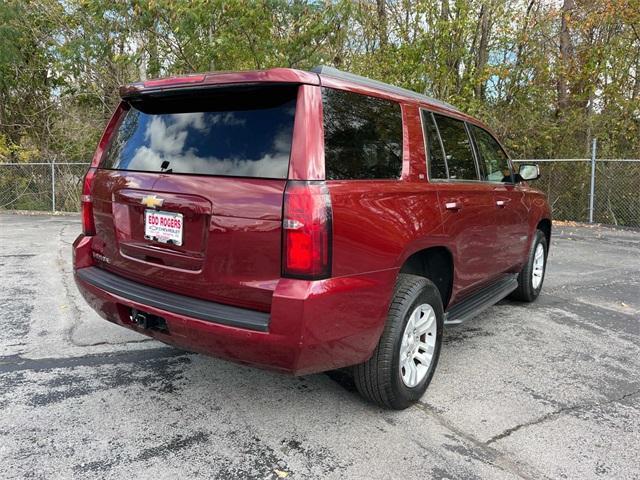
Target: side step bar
(480,301)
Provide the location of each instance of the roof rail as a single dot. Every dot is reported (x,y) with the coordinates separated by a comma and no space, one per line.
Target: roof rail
(335,73)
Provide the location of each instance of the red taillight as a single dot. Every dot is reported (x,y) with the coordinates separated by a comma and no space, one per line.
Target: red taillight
(306,225)
(88,225)
(86,201)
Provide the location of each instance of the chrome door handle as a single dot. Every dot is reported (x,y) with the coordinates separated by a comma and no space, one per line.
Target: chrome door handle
(500,203)
(452,206)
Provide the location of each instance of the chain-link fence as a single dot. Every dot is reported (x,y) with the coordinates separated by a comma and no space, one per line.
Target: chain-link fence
(617,193)
(54,186)
(567,183)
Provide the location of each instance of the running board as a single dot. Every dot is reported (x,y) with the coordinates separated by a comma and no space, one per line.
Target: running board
(480,301)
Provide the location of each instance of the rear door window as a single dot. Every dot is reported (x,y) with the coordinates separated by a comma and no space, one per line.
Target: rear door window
(362,136)
(457,147)
(436,160)
(243,132)
(493,159)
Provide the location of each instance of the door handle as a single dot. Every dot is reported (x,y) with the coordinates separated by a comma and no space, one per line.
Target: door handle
(500,203)
(452,206)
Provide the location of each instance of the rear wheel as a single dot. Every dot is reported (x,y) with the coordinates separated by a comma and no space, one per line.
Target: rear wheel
(531,276)
(403,363)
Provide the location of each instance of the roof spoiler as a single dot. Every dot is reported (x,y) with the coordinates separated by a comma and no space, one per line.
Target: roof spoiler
(218,79)
(352,77)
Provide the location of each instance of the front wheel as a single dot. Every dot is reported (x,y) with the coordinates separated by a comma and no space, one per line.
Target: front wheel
(531,276)
(403,363)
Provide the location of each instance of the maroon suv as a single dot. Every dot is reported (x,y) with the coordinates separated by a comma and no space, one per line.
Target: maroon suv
(305,221)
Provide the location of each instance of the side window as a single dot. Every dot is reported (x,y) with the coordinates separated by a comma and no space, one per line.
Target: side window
(494,161)
(436,161)
(362,136)
(457,146)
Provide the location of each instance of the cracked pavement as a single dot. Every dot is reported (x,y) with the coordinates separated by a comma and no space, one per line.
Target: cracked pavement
(543,390)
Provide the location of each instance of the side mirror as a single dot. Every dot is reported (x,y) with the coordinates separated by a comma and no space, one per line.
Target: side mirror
(529,171)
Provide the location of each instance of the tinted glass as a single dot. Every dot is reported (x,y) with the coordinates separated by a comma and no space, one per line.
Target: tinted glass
(237,133)
(362,136)
(436,162)
(494,162)
(457,147)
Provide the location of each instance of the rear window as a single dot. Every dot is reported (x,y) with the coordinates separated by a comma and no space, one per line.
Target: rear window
(362,136)
(243,132)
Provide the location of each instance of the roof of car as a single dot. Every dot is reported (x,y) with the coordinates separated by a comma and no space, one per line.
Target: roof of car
(376,84)
(277,75)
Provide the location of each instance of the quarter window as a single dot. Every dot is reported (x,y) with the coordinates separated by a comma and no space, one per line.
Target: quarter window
(493,160)
(362,136)
(457,147)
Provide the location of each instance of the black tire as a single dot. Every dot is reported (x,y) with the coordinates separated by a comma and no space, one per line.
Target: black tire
(525,291)
(379,379)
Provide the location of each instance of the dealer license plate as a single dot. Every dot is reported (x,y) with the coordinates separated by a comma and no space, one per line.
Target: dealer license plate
(163,227)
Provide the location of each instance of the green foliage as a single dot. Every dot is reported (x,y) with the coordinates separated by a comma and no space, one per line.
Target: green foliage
(61,61)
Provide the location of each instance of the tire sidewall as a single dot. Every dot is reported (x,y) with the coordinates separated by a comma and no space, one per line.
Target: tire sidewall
(430,295)
(540,239)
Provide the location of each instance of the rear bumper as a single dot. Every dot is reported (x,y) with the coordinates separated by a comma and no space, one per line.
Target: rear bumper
(174,303)
(313,326)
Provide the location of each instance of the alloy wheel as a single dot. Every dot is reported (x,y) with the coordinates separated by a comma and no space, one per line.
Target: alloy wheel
(418,345)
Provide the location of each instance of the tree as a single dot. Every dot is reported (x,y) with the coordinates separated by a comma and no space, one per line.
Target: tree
(547,77)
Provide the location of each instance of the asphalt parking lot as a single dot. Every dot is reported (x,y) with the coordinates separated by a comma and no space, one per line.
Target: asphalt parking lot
(544,390)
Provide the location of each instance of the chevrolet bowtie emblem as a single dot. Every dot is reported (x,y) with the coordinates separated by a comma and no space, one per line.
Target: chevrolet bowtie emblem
(152,201)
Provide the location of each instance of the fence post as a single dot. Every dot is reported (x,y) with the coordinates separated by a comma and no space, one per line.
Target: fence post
(593,178)
(53,186)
